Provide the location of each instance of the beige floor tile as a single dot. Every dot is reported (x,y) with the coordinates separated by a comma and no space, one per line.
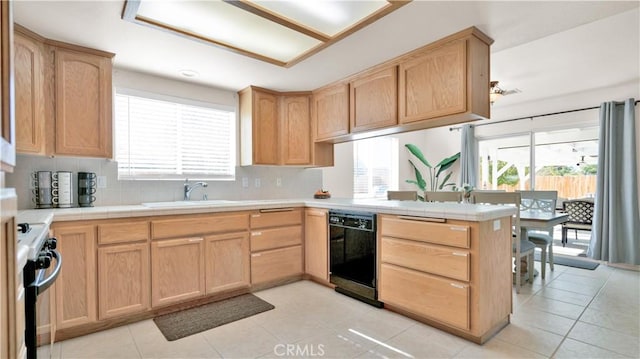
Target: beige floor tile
(534,339)
(619,301)
(542,320)
(241,339)
(495,349)
(580,278)
(379,324)
(620,322)
(293,328)
(565,296)
(606,338)
(152,344)
(553,306)
(113,343)
(582,288)
(331,345)
(422,341)
(572,349)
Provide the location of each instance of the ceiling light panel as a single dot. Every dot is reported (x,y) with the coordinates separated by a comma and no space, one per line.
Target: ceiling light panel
(228,25)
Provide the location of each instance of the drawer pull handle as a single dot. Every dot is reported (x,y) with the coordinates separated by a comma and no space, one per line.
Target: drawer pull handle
(255,234)
(256,254)
(196,240)
(255,215)
(455,285)
(460,254)
(459,229)
(423,219)
(275,210)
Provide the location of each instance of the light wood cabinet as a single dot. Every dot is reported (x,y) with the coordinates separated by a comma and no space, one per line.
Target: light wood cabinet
(316,243)
(275,238)
(276,264)
(124,279)
(227,262)
(330,112)
(83,104)
(276,217)
(198,225)
(455,275)
(373,100)
(123,232)
(11,286)
(259,129)
(76,288)
(30,96)
(178,270)
(7,109)
(295,136)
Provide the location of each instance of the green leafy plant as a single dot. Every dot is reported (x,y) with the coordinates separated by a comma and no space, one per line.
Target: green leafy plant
(434,172)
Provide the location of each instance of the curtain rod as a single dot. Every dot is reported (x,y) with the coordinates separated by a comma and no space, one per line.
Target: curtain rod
(532,117)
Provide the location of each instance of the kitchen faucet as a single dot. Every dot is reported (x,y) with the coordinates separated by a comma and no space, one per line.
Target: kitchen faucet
(188,188)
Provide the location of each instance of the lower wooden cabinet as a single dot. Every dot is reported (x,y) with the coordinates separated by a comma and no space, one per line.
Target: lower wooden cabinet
(124,279)
(423,294)
(276,264)
(316,243)
(76,301)
(227,262)
(177,270)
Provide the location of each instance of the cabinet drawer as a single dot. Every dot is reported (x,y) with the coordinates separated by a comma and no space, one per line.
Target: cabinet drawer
(275,238)
(438,233)
(185,227)
(276,218)
(443,300)
(123,232)
(438,260)
(276,264)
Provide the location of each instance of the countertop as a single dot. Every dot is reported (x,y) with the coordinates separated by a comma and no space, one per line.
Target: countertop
(459,211)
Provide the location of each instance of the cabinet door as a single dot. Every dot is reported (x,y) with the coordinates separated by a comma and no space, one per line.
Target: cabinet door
(265,128)
(434,83)
(10,317)
(7,129)
(177,270)
(124,280)
(296,130)
(331,112)
(29,86)
(276,264)
(374,100)
(316,243)
(227,264)
(76,285)
(83,104)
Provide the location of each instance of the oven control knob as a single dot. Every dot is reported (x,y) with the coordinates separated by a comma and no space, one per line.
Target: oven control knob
(23,227)
(51,243)
(43,261)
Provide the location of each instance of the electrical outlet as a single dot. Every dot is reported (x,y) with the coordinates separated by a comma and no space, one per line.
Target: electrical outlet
(496,225)
(102,181)
(257,183)
(278,182)
(245,182)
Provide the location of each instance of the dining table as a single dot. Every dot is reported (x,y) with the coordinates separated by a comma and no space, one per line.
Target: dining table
(540,221)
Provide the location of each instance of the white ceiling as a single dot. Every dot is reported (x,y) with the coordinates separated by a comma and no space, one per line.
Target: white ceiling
(540,48)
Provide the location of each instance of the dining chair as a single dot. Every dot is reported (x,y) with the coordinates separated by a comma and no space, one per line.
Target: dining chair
(442,196)
(402,195)
(580,217)
(521,248)
(543,201)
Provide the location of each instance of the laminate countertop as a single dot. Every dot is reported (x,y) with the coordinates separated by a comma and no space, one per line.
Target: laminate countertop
(448,210)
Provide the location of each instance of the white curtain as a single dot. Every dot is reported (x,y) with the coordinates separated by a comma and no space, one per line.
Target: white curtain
(468,156)
(616,222)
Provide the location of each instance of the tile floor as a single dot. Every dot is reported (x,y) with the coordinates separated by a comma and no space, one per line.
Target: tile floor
(574,313)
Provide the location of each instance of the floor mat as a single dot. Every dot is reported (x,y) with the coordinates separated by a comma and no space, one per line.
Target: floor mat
(571,262)
(195,320)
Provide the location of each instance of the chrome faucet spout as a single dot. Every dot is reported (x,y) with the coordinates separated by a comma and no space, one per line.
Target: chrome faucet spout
(189,188)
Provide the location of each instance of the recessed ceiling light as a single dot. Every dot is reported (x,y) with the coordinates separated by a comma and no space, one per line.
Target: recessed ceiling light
(189,73)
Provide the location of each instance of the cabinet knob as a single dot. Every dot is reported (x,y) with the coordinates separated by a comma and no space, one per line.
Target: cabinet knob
(255,234)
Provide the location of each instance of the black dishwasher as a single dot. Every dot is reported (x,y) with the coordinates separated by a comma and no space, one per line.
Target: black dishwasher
(352,254)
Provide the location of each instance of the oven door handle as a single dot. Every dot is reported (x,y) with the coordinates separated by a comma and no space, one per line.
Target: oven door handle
(42,284)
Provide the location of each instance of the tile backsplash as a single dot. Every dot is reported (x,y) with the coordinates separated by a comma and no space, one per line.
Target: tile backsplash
(262,182)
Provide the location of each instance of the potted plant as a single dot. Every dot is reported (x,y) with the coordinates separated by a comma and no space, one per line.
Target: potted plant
(434,172)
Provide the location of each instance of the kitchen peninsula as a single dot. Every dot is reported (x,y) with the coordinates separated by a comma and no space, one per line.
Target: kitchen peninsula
(445,264)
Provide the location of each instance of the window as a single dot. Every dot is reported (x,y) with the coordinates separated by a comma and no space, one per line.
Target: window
(375,167)
(158,137)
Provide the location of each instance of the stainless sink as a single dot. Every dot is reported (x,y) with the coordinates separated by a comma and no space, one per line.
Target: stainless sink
(178,204)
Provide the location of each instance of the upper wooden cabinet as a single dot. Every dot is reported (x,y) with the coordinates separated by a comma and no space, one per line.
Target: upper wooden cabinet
(83,104)
(331,112)
(275,129)
(29,87)
(373,100)
(7,121)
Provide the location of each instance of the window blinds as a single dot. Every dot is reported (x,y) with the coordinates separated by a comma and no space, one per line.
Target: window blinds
(159,139)
(375,167)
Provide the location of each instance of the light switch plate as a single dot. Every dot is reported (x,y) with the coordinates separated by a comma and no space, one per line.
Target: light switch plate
(278,182)
(102,181)
(496,225)
(258,183)
(245,182)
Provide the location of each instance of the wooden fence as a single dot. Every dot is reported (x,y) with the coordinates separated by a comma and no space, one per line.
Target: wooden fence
(567,186)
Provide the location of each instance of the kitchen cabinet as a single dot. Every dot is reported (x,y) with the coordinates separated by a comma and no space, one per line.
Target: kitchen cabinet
(330,112)
(227,262)
(259,127)
(276,245)
(316,243)
(83,104)
(373,100)
(12,294)
(76,288)
(7,108)
(455,275)
(296,130)
(30,97)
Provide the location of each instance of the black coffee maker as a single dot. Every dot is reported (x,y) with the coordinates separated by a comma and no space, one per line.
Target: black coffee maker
(86,189)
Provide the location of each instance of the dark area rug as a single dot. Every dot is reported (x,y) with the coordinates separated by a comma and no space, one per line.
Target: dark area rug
(195,320)
(571,262)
